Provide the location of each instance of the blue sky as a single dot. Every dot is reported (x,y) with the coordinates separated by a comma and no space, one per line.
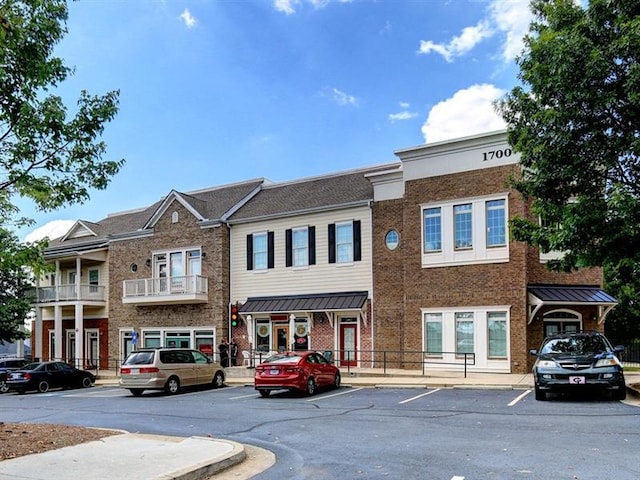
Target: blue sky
(220,91)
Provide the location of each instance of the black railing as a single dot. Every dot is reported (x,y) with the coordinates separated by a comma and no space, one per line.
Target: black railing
(631,355)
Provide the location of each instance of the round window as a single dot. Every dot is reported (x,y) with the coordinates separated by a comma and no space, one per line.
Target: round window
(392,239)
(133,267)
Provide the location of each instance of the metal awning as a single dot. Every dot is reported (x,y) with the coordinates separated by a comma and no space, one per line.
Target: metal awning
(324,302)
(568,295)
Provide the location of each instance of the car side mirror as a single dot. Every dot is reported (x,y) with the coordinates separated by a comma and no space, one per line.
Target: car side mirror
(533,351)
(618,348)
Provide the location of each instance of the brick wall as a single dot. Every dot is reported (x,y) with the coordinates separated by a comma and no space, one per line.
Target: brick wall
(215,266)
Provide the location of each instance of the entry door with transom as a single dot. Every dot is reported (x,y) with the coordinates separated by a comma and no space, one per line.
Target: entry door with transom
(348,342)
(280,337)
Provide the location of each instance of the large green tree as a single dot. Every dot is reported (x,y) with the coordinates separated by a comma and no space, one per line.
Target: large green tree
(48,153)
(576,122)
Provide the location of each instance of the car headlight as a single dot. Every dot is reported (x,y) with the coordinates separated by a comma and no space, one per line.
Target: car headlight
(546,364)
(608,362)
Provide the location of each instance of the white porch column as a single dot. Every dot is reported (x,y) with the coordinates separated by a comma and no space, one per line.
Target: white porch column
(79,327)
(36,350)
(58,334)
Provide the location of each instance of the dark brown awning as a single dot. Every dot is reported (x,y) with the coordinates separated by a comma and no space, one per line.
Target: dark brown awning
(568,295)
(305,303)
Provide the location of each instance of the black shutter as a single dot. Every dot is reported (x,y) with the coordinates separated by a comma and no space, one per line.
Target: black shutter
(332,243)
(270,255)
(249,252)
(288,248)
(357,242)
(312,245)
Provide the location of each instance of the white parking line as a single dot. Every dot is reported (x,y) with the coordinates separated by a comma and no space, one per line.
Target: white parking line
(457,478)
(349,390)
(419,396)
(519,397)
(245,396)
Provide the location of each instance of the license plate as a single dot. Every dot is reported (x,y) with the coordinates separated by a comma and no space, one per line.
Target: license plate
(577,380)
(274,371)
(135,371)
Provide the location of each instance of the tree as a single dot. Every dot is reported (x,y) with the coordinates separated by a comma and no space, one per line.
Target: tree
(46,154)
(16,283)
(576,123)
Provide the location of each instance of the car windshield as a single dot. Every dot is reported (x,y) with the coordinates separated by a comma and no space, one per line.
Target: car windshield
(31,366)
(586,345)
(280,358)
(139,358)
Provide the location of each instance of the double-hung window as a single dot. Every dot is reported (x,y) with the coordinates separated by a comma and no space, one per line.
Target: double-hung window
(300,246)
(496,223)
(433,229)
(345,242)
(463,221)
(260,251)
(464,332)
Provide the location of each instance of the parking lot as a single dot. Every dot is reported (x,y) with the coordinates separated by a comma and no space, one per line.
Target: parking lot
(358,432)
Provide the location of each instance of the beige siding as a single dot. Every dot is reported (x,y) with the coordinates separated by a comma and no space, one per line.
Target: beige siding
(322,277)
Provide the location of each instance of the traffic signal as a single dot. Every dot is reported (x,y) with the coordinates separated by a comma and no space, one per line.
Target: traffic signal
(235,320)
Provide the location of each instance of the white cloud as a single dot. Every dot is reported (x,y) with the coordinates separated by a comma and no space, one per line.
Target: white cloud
(467,112)
(342,98)
(51,230)
(459,45)
(509,18)
(289,6)
(188,19)
(405,115)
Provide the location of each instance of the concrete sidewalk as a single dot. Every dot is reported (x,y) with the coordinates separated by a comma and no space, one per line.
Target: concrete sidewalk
(156,457)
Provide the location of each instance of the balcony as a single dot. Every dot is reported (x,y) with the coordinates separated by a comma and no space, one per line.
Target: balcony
(166,291)
(71,293)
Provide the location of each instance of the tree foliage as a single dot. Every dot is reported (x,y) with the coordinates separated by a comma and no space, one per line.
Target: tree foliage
(48,154)
(576,123)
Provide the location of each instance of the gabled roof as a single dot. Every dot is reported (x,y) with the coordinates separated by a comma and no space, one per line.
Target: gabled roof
(336,190)
(209,205)
(569,295)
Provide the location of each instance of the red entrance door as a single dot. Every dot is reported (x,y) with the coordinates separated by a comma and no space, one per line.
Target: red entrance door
(348,344)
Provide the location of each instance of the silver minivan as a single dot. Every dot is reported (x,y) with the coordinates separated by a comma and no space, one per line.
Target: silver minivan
(168,369)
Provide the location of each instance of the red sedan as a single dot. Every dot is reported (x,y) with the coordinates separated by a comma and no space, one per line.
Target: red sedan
(298,371)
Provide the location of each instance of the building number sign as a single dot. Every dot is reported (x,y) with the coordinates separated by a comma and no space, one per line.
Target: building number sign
(493,154)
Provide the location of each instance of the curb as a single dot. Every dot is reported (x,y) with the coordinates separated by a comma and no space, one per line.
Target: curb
(208,469)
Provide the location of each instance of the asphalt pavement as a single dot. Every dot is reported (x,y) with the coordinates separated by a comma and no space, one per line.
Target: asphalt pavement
(155,457)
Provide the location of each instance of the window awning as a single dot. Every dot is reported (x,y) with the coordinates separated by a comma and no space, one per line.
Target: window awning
(568,295)
(305,303)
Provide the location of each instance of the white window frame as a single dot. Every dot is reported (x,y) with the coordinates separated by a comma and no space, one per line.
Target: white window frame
(260,254)
(300,249)
(479,251)
(344,246)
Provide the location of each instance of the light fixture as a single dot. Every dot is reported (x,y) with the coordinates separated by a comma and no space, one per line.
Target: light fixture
(148,262)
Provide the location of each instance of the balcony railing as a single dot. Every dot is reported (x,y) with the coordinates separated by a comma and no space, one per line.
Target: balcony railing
(66,293)
(183,289)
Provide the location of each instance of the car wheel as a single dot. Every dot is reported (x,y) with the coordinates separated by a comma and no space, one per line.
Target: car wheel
(265,393)
(540,395)
(172,386)
(621,392)
(218,380)
(311,386)
(86,382)
(337,380)
(3,387)
(43,386)
(136,392)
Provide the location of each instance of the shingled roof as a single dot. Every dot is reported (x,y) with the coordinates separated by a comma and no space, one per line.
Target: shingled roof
(309,194)
(212,205)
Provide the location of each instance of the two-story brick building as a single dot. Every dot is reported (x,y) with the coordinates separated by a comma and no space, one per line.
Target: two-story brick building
(409,263)
(448,278)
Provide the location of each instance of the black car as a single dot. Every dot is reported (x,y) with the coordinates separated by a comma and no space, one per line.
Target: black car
(42,376)
(7,365)
(574,362)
